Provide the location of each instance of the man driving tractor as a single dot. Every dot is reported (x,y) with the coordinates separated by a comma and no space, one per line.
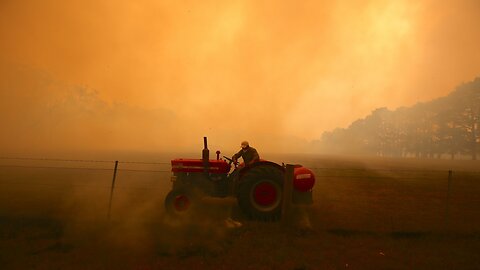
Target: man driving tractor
(248,153)
(257,186)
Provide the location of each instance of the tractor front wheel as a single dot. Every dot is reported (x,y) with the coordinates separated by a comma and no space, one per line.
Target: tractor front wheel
(180,202)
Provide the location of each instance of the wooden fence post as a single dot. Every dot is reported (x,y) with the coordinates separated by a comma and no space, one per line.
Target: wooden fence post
(113,186)
(287,195)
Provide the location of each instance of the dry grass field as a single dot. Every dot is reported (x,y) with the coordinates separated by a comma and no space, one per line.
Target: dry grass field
(368,214)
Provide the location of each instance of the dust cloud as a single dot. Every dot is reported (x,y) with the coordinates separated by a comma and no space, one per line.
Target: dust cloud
(70,210)
(159,75)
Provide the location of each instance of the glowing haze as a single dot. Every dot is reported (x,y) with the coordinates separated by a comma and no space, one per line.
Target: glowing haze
(159,75)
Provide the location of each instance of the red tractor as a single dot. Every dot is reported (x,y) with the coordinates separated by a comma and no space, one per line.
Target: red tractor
(258,187)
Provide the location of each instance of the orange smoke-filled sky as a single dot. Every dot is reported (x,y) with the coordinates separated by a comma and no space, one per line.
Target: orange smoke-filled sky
(272,72)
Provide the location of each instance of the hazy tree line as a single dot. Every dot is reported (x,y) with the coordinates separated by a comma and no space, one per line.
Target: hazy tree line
(40,114)
(447,126)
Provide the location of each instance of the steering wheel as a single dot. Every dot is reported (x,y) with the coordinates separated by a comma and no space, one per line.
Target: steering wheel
(230,161)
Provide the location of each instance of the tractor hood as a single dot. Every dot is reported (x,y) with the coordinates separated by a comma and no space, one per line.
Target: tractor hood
(197,166)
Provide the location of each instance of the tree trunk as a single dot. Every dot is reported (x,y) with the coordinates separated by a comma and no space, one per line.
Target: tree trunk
(474,151)
(474,142)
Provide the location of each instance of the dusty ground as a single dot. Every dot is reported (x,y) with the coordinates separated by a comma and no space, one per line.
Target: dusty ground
(374,214)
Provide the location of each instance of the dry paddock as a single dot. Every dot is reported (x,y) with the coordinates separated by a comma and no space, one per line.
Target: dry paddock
(367,214)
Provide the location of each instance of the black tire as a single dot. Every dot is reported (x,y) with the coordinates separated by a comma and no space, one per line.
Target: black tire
(181,202)
(260,193)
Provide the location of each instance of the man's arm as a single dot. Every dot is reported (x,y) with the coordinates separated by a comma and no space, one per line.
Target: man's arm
(237,155)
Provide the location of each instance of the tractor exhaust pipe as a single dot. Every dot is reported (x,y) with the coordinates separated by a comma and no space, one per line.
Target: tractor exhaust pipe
(205,154)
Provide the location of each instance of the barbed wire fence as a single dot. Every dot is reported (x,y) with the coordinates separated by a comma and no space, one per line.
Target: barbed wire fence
(114,168)
(445,177)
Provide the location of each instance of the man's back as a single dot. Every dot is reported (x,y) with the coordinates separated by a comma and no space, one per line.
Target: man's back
(249,155)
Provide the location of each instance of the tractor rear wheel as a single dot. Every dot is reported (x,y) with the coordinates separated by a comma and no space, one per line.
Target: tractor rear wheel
(260,193)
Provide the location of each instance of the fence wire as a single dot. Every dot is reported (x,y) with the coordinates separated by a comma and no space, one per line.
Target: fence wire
(364,201)
(56,159)
(80,161)
(57,167)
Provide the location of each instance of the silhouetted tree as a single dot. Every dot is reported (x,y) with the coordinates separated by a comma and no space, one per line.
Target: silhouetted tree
(465,108)
(447,125)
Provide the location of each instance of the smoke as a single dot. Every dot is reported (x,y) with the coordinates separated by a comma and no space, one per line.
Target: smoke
(276,74)
(40,114)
